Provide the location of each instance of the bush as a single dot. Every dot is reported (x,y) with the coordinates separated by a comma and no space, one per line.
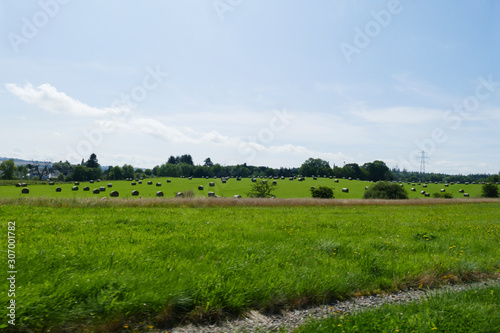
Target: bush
(262,189)
(444,195)
(489,191)
(322,192)
(385,190)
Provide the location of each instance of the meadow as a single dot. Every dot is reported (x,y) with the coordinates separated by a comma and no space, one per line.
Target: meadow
(85,263)
(285,188)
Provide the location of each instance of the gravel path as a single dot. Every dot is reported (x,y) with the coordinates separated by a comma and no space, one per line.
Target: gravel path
(257,322)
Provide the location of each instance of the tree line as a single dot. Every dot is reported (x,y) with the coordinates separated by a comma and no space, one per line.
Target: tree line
(177,166)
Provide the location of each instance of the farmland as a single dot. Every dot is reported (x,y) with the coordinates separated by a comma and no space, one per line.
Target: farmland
(141,263)
(285,188)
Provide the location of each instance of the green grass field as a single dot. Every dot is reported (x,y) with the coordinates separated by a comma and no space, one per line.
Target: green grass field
(285,188)
(103,265)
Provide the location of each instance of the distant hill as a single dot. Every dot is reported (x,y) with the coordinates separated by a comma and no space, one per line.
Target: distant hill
(18,161)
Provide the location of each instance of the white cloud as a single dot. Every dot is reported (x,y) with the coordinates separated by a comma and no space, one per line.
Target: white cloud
(48,98)
(399,115)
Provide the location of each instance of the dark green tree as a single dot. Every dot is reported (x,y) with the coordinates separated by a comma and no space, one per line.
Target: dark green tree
(385,190)
(208,162)
(315,166)
(8,168)
(323,192)
(92,162)
(489,191)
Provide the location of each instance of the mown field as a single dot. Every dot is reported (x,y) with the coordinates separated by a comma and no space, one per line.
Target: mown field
(144,264)
(285,188)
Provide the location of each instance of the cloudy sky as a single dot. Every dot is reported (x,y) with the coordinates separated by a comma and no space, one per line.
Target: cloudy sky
(252,81)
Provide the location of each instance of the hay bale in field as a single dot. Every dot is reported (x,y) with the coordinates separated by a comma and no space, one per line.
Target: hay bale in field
(102,189)
(25,190)
(200,187)
(96,191)
(51,183)
(461,191)
(254,180)
(134,183)
(158,184)
(77,183)
(290,178)
(445,185)
(427,194)
(110,185)
(413,189)
(58,189)
(159,194)
(98,180)
(313,187)
(137,179)
(264,181)
(135,193)
(315,178)
(443,190)
(238,179)
(367,187)
(345,190)
(139,182)
(74,188)
(18,185)
(211,184)
(422,192)
(150,183)
(237,196)
(169,181)
(301,179)
(179,195)
(86,188)
(114,194)
(211,194)
(336,180)
(190,178)
(275,182)
(466,195)
(425,185)
(223,181)
(91,182)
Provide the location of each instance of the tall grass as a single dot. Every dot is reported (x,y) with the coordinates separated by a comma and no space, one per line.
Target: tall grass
(104,264)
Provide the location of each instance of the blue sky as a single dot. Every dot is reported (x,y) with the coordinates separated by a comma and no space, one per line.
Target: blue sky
(252,81)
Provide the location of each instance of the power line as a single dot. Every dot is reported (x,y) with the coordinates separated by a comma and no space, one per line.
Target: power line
(423,161)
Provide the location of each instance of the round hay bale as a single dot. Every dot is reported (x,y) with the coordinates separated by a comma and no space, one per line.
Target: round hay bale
(211,184)
(275,182)
(135,193)
(25,190)
(137,179)
(211,194)
(427,194)
(102,189)
(466,195)
(159,194)
(134,183)
(254,180)
(169,181)
(58,189)
(110,185)
(461,190)
(91,182)
(443,190)
(179,195)
(51,183)
(336,180)
(86,188)
(413,189)
(200,187)
(425,185)
(345,190)
(190,178)
(224,181)
(290,178)
(237,196)
(422,192)
(18,185)
(98,180)
(77,183)
(150,183)
(313,187)
(74,188)
(114,194)
(96,191)
(139,182)
(158,184)
(264,181)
